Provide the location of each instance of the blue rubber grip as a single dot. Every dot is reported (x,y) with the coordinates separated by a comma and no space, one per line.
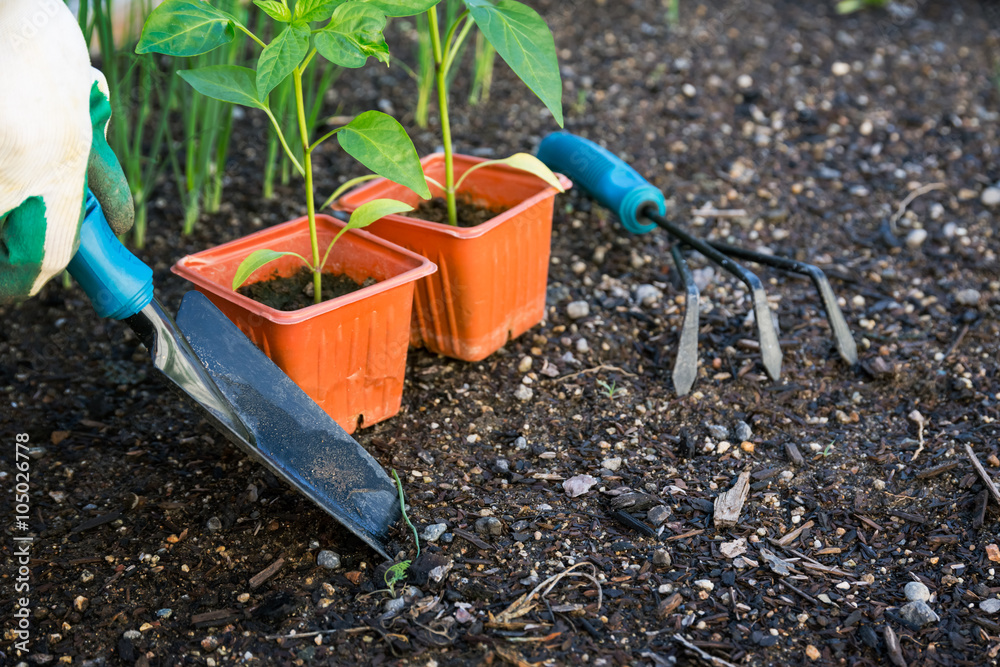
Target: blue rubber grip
(609,180)
(119,284)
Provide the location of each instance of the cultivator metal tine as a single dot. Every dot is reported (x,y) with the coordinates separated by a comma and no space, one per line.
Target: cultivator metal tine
(846,346)
(686,363)
(770,350)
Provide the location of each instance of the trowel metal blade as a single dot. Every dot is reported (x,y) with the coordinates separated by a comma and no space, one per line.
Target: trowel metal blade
(294,437)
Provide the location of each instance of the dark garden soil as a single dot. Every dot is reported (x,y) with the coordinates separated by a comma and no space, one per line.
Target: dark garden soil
(469,214)
(297,291)
(152,534)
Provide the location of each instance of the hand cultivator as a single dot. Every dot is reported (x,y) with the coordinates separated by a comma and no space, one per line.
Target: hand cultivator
(641,208)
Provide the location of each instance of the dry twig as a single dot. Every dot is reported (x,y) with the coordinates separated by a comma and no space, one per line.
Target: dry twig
(702,654)
(602,367)
(523,604)
(990,486)
(922,190)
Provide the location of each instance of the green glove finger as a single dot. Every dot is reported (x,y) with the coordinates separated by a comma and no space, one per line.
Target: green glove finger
(104,174)
(22,248)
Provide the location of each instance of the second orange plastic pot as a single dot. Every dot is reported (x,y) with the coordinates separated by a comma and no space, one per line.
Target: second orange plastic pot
(348,354)
(491,280)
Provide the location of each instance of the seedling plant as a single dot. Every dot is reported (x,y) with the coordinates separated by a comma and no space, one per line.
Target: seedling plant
(524,41)
(344,33)
(608,390)
(397,572)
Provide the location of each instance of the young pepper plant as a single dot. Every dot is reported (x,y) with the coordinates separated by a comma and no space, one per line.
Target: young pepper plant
(525,42)
(522,39)
(350,33)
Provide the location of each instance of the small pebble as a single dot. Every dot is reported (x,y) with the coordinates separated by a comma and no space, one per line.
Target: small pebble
(243,598)
(718,432)
(523,393)
(525,364)
(612,464)
(918,613)
(578,485)
(394,605)
(647,295)
(990,196)
(434,531)
(577,309)
(165,613)
(951,230)
(214,524)
(812,652)
(328,559)
(132,635)
(916,238)
(86,576)
(990,606)
(840,68)
(658,515)
(967,297)
(744,81)
(582,346)
(689,90)
(662,557)
(81,603)
(489,525)
(704,584)
(743,431)
(520,442)
(866,128)
(578,267)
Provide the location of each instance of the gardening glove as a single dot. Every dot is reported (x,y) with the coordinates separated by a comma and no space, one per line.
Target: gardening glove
(54,112)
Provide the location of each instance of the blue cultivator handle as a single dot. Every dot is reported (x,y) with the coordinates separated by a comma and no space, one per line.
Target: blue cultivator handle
(609,180)
(119,284)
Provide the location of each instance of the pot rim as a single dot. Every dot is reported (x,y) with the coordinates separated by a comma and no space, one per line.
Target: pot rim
(445,229)
(185,266)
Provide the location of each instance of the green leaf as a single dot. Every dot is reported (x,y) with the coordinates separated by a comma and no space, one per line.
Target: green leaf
(185,28)
(380,143)
(398,8)
(376,209)
(228,83)
(257,259)
(524,162)
(275,9)
(523,40)
(365,215)
(353,34)
(280,57)
(315,10)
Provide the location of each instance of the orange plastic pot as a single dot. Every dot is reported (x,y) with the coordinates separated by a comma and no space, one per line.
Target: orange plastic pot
(348,354)
(491,279)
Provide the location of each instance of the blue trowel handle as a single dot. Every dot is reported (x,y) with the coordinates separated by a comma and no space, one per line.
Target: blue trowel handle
(118,284)
(612,182)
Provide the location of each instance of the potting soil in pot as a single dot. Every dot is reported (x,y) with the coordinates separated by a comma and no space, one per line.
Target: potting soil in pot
(469,214)
(296,291)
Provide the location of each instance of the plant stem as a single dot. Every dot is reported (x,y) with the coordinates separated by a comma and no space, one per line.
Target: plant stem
(281,137)
(442,87)
(300,110)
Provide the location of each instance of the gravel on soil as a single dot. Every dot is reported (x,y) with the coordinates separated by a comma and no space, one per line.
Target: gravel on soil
(822,129)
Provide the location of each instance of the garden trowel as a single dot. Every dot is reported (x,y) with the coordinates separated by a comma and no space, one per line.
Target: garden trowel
(249,399)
